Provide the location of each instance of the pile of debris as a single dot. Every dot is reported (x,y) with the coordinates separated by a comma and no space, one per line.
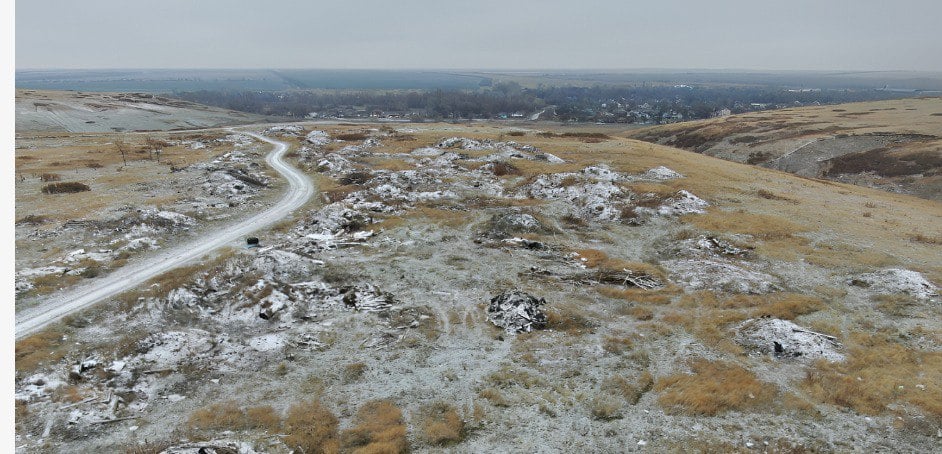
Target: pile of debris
(211,447)
(718,275)
(284,130)
(896,280)
(510,223)
(591,192)
(317,138)
(784,339)
(517,312)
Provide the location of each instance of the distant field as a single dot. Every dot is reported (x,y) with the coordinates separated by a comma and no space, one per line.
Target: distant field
(165,81)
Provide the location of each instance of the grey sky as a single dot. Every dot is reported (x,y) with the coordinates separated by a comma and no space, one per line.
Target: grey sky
(507,34)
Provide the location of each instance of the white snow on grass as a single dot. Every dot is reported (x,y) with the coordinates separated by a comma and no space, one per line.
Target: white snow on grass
(783,338)
(682,203)
(896,280)
(318,138)
(661,173)
(700,274)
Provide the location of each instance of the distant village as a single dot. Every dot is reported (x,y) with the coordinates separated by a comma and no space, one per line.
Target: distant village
(658,104)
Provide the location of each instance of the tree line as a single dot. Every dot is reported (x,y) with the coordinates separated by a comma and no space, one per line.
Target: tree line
(599,103)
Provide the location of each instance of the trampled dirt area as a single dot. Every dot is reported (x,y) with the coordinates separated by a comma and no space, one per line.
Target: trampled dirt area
(478,288)
(891,145)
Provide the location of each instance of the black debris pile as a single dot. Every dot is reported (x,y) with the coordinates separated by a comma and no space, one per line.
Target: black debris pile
(517,312)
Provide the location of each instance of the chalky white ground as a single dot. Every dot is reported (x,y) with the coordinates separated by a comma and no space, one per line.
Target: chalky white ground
(300,190)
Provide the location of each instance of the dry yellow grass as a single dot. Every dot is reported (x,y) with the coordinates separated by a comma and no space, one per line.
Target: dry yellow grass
(40,349)
(379,428)
(714,387)
(877,373)
(784,305)
(312,428)
(93,159)
(641,296)
(571,318)
(441,424)
(630,390)
(759,225)
(230,416)
(617,344)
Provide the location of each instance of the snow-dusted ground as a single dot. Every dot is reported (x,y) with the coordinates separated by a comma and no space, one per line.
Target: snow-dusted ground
(300,190)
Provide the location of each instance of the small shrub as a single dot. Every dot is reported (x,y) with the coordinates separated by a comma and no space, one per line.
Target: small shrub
(262,417)
(569,318)
(220,416)
(713,388)
(617,344)
(631,391)
(501,168)
(311,428)
(65,188)
(516,133)
(494,396)
(380,428)
(641,313)
(353,371)
(604,408)
(441,425)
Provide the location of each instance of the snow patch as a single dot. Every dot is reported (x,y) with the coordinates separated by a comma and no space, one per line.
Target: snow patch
(782,338)
(896,280)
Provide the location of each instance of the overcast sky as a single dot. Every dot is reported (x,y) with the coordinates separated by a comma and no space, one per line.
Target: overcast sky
(487,34)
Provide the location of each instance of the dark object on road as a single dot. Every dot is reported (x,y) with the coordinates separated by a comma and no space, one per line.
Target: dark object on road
(251,241)
(517,312)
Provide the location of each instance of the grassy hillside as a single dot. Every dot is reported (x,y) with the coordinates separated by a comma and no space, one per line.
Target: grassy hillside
(365,322)
(892,145)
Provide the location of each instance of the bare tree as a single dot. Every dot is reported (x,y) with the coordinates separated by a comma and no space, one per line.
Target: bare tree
(123,149)
(155,147)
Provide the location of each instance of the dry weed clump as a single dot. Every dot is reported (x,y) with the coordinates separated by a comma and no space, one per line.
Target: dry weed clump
(714,387)
(503,168)
(69,187)
(311,428)
(630,390)
(353,372)
(441,425)
(230,416)
(380,428)
(617,344)
(569,318)
(877,373)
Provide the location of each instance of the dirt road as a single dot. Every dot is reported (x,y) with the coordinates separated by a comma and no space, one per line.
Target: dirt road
(300,190)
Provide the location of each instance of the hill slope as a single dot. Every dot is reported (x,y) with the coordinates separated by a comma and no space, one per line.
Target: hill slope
(892,145)
(66,111)
(687,303)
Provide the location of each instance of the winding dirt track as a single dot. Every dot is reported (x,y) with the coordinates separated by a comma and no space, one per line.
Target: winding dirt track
(299,192)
